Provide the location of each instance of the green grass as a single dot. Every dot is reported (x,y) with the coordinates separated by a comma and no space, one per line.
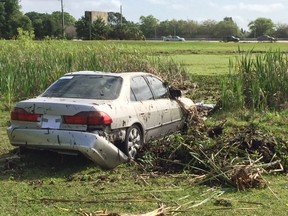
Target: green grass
(45,183)
(188,47)
(204,58)
(204,64)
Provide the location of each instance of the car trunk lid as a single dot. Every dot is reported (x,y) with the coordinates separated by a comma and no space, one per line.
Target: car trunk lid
(61,113)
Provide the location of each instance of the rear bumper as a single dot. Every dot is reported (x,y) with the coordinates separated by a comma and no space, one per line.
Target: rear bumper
(92,145)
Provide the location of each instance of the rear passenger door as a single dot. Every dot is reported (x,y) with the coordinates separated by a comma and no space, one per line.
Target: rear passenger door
(144,104)
(169,110)
(161,97)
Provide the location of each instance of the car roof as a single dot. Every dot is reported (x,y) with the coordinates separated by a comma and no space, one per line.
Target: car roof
(122,74)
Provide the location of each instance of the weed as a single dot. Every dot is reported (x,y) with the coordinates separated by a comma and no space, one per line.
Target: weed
(29,68)
(256,82)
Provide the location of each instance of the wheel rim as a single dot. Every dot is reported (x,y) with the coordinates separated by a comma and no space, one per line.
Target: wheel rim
(134,142)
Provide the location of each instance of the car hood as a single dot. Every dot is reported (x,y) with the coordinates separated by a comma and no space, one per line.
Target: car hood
(63,106)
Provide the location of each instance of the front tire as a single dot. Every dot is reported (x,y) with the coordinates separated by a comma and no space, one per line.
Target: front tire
(133,141)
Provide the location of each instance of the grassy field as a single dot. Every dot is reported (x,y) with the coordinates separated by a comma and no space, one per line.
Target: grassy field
(45,183)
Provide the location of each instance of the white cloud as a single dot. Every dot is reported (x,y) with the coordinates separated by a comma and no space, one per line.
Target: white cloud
(178,6)
(101,4)
(169,3)
(263,8)
(229,7)
(158,2)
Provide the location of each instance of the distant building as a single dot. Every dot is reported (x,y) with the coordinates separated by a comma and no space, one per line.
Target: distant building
(94,15)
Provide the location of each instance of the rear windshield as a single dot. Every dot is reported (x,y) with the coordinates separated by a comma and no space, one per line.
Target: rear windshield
(86,87)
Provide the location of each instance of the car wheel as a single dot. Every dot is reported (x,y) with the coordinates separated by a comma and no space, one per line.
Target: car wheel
(133,141)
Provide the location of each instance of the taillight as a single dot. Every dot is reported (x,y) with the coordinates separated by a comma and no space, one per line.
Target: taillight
(20,114)
(88,118)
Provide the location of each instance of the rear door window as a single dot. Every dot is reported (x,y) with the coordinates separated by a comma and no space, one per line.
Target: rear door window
(158,87)
(140,90)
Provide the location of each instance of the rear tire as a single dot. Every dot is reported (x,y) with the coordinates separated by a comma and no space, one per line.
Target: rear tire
(133,141)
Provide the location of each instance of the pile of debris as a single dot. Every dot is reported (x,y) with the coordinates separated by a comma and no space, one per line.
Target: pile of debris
(237,158)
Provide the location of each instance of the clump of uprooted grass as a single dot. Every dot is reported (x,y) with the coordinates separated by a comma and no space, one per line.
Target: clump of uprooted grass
(29,68)
(256,82)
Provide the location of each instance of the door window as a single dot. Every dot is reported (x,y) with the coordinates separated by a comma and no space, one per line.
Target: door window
(140,90)
(158,87)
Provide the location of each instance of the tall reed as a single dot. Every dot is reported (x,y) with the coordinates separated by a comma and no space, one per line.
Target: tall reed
(256,82)
(28,67)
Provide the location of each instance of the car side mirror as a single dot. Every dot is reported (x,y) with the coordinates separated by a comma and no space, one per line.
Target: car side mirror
(175,93)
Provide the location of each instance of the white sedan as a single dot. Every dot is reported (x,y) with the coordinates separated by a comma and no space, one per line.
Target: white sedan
(105,116)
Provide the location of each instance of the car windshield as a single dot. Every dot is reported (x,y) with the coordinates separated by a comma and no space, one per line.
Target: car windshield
(102,87)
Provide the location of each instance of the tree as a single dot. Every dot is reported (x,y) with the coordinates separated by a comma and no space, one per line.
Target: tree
(37,23)
(2,18)
(281,31)
(12,18)
(131,31)
(121,29)
(148,26)
(117,24)
(183,29)
(24,22)
(261,26)
(116,19)
(44,25)
(98,30)
(163,28)
(57,18)
(192,29)
(207,28)
(118,28)
(225,28)
(49,25)
(83,28)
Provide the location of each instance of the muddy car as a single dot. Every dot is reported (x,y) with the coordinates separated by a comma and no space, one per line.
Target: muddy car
(105,116)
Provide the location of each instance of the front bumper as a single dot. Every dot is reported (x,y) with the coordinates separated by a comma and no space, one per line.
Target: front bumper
(92,145)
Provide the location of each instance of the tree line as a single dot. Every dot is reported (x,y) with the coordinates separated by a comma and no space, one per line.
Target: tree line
(43,25)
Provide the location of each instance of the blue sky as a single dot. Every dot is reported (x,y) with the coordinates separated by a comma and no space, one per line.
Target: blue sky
(242,11)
